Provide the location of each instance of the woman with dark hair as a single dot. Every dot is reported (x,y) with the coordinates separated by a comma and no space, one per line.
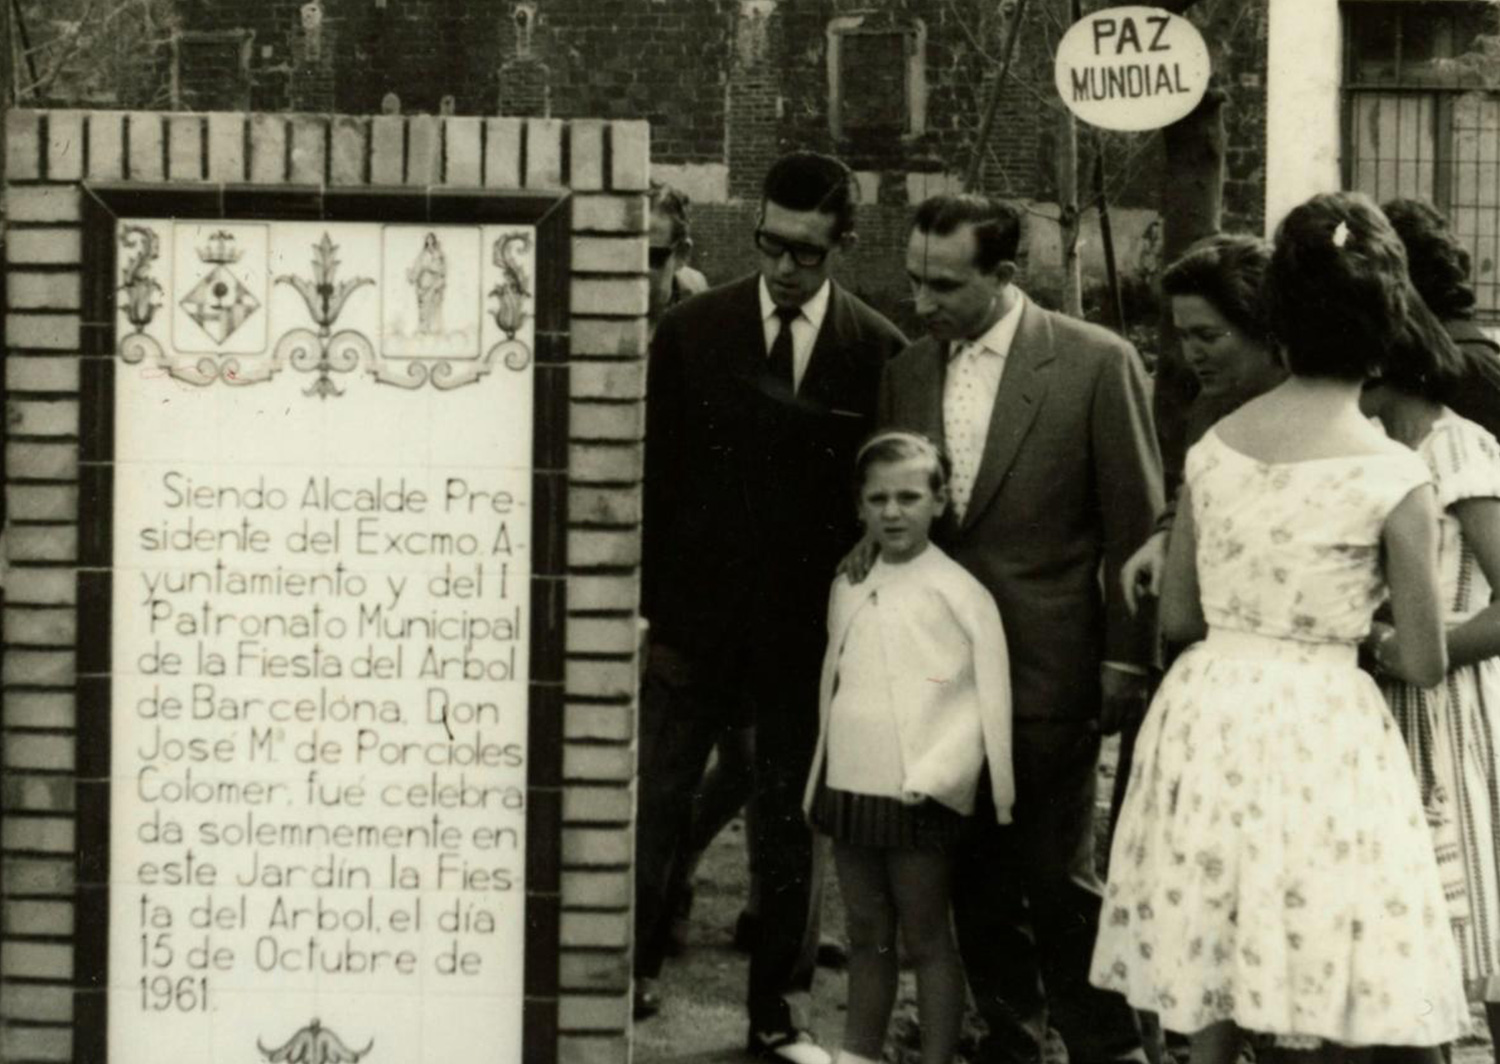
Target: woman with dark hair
(1218,311)
(1219,314)
(1272,871)
(1439,267)
(1437,262)
(1451,730)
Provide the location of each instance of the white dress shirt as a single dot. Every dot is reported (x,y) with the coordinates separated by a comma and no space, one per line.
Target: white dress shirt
(804,329)
(969,390)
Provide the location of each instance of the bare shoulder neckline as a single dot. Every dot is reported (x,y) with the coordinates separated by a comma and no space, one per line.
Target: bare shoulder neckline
(1359,456)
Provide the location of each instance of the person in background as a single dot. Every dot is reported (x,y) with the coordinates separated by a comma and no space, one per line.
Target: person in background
(1214,291)
(759,392)
(1439,268)
(1056,477)
(1452,730)
(727,784)
(1218,312)
(1272,870)
(670,247)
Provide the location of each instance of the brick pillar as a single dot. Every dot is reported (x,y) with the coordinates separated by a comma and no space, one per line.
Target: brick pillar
(47,1012)
(42,372)
(525,88)
(313,42)
(525,77)
(754,113)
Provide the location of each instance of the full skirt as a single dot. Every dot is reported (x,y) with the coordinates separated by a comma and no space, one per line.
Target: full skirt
(1272,864)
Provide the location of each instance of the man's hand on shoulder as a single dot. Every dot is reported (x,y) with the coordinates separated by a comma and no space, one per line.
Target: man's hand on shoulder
(856,565)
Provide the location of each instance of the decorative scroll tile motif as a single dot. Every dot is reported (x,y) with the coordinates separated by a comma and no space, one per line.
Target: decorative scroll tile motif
(403,305)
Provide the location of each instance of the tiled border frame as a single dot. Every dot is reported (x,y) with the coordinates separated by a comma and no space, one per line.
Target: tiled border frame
(65,167)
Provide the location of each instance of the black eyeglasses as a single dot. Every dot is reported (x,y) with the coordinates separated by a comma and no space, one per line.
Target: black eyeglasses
(802,254)
(658,257)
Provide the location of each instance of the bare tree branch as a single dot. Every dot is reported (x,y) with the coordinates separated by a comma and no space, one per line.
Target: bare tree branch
(84,49)
(60,50)
(1057,22)
(1128,153)
(976,163)
(969,33)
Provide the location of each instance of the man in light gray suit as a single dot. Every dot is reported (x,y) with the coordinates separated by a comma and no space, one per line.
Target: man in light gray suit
(1057,479)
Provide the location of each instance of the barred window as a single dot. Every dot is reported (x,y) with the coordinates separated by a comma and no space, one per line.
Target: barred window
(1422,117)
(876,77)
(211,71)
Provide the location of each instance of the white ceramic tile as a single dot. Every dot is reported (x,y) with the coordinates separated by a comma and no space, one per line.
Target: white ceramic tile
(320,635)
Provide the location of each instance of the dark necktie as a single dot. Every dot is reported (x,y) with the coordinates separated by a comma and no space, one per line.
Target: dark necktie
(779,361)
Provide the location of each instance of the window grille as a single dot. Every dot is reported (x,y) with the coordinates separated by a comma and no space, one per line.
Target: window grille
(1422,118)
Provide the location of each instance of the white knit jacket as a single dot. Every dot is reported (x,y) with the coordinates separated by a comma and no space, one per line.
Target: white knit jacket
(948,674)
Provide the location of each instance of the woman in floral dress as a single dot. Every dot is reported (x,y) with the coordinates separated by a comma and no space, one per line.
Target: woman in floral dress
(1272,871)
(1453,730)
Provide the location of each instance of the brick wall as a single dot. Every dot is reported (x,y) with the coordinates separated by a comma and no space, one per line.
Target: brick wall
(663,62)
(754,93)
(727,85)
(50,156)
(731,84)
(717,79)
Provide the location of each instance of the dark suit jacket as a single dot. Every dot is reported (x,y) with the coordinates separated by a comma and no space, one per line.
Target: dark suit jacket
(1070,480)
(749,497)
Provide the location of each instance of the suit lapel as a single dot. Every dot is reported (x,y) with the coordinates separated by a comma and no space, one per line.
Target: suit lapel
(746,331)
(1022,385)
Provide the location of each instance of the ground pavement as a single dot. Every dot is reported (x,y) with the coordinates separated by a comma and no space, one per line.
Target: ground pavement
(703,1020)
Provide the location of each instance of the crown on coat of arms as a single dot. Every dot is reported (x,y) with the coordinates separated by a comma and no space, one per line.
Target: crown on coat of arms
(220,249)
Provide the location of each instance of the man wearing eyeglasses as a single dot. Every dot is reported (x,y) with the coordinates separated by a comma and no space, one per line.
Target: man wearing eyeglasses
(672,279)
(759,391)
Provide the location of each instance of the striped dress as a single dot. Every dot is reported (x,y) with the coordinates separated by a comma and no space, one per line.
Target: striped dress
(1453,731)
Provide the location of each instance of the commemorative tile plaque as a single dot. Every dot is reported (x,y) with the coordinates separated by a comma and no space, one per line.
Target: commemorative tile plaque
(320,615)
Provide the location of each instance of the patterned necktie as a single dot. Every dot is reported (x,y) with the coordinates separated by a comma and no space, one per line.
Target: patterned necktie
(779,361)
(965,439)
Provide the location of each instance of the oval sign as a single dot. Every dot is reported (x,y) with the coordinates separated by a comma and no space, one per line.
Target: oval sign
(1132,68)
